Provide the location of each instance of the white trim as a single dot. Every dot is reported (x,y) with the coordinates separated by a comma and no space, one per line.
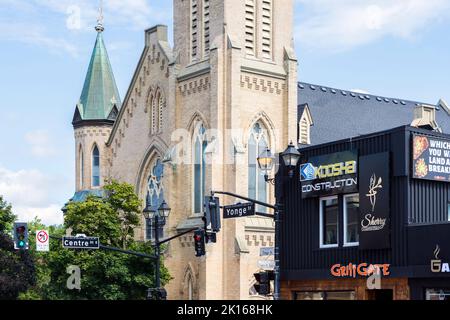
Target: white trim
(348,244)
(321,245)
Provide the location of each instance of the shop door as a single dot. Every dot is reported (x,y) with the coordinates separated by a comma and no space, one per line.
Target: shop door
(381,295)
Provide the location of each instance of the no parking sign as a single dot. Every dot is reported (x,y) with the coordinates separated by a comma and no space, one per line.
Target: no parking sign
(42,240)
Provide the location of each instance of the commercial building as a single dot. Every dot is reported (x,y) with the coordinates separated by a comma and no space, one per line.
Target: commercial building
(368,217)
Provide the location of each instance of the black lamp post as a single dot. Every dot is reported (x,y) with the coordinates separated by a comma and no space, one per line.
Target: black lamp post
(158,218)
(266,160)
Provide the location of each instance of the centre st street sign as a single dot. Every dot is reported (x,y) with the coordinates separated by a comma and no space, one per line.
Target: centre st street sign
(81,242)
(239,210)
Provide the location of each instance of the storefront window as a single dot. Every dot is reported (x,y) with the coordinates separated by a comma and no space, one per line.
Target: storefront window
(329,217)
(325,295)
(351,220)
(448,212)
(438,294)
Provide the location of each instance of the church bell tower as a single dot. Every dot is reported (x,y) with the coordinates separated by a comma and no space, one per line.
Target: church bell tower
(95,114)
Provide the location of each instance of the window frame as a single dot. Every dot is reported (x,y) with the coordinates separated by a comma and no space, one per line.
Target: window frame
(321,229)
(345,220)
(149,223)
(259,179)
(203,140)
(93,185)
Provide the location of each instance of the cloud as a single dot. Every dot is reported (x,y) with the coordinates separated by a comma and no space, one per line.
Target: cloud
(40,143)
(33,193)
(35,35)
(345,24)
(51,215)
(83,14)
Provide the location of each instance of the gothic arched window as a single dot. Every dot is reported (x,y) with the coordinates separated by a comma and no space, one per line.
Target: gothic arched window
(157,103)
(156,191)
(257,143)
(81,169)
(95,167)
(199,148)
(160,112)
(153,115)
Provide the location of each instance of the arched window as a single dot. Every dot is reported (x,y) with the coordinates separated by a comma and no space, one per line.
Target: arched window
(153,115)
(160,112)
(95,167)
(157,103)
(199,147)
(81,169)
(190,289)
(257,143)
(156,191)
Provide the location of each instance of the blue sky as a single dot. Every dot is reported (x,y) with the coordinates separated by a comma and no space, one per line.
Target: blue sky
(392,48)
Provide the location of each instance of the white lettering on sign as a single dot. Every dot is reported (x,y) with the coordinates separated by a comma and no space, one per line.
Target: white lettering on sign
(237,211)
(370,223)
(42,241)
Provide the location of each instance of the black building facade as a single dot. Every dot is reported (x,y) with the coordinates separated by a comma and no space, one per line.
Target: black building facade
(368,218)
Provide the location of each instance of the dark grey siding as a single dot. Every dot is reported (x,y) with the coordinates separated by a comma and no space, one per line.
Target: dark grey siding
(423,200)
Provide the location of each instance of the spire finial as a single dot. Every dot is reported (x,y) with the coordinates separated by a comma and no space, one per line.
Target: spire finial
(99,27)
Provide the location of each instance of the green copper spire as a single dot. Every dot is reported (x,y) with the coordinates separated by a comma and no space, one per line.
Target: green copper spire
(100,98)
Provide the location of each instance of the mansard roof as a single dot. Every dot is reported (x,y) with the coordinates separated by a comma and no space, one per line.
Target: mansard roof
(340,114)
(100,97)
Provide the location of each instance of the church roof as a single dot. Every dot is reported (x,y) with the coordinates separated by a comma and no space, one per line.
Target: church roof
(340,114)
(100,98)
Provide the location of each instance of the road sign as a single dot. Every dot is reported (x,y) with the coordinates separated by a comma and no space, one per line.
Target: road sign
(266,264)
(42,241)
(81,242)
(239,210)
(266,251)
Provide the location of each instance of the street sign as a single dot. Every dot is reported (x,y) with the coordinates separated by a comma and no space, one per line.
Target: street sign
(266,264)
(266,251)
(42,241)
(81,242)
(239,210)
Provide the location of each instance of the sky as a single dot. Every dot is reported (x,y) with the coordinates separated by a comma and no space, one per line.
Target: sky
(391,48)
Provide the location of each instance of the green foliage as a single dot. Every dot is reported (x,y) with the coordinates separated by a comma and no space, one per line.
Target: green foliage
(105,275)
(7,218)
(17,267)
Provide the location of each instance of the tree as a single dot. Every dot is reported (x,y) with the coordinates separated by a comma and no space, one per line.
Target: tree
(17,271)
(105,275)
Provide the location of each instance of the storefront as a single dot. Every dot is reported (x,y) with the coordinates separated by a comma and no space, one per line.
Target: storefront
(368,218)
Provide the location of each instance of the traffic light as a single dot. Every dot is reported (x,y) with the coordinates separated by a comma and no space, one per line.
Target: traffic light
(20,236)
(212,213)
(262,285)
(199,243)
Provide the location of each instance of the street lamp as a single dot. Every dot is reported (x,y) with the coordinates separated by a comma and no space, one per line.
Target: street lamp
(158,218)
(291,156)
(266,160)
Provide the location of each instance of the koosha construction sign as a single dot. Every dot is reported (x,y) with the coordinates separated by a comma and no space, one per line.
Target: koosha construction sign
(330,174)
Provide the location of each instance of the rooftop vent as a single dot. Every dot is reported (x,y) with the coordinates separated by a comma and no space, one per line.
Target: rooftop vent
(425,117)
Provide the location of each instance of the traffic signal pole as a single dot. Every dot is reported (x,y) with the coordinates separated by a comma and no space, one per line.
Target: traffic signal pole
(277,219)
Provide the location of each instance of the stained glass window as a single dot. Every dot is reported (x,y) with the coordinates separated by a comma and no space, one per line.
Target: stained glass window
(155,189)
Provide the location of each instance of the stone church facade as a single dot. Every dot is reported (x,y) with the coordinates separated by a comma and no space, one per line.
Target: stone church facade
(194,119)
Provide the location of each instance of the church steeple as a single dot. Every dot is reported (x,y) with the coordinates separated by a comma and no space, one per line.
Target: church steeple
(100,98)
